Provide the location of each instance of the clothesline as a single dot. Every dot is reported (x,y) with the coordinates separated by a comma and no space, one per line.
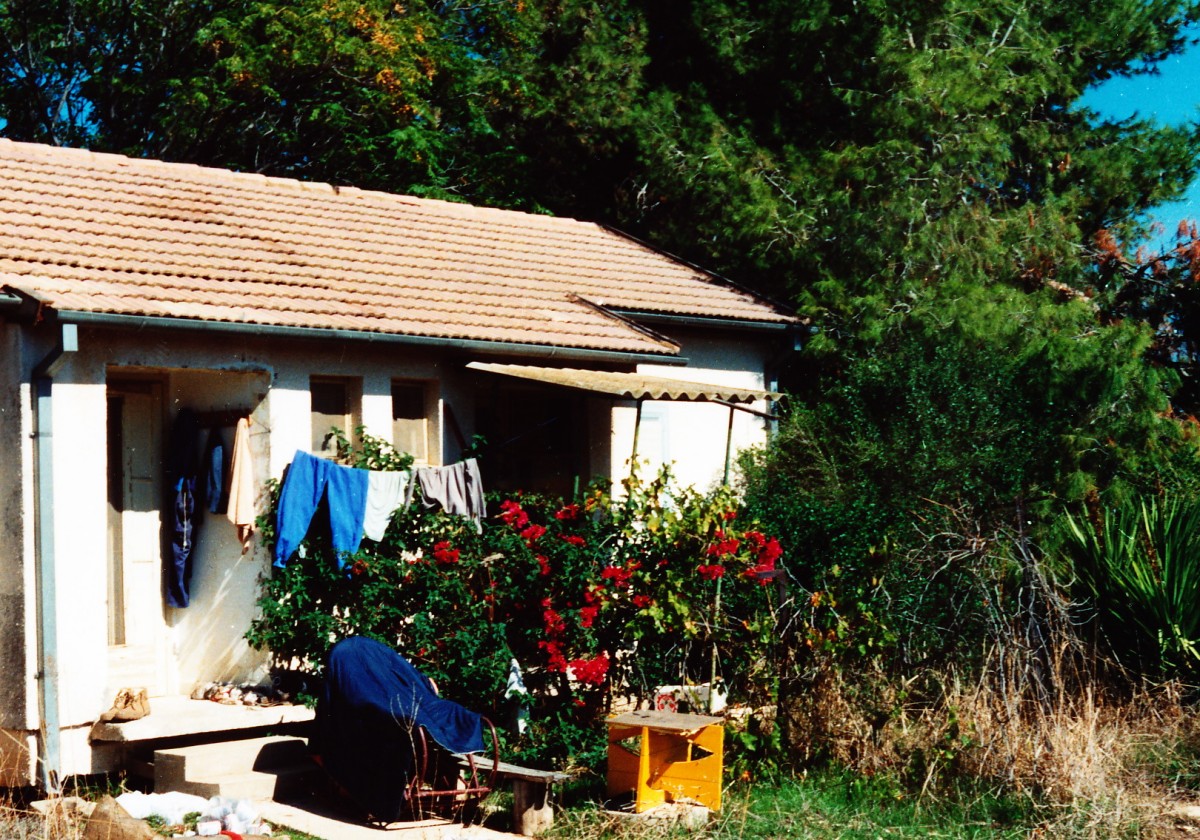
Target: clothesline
(361,502)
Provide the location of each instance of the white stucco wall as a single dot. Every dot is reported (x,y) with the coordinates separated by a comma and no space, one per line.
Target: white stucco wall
(204,372)
(17,689)
(80,540)
(691,436)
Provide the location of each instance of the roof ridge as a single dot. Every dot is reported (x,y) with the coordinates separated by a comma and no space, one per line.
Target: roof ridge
(116,161)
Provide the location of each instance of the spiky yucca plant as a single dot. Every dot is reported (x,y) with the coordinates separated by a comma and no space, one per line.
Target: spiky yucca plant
(1140,562)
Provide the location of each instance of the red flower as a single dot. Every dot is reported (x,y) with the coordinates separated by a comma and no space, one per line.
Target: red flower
(766,551)
(642,601)
(555,659)
(359,567)
(587,616)
(765,548)
(567,512)
(572,539)
(533,533)
(618,575)
(772,551)
(543,565)
(443,553)
(710,572)
(590,671)
(553,622)
(513,515)
(729,515)
(723,546)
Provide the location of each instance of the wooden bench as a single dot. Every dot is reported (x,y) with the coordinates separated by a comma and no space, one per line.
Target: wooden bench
(533,809)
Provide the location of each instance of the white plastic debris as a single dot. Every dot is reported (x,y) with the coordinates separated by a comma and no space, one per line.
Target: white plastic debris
(236,815)
(170,807)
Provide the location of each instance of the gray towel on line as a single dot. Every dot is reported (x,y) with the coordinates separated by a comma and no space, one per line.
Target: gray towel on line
(457,489)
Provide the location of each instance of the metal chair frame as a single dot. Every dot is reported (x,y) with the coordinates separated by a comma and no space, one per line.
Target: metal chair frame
(425,794)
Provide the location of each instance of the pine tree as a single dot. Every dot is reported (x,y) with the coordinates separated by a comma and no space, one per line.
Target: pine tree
(848,155)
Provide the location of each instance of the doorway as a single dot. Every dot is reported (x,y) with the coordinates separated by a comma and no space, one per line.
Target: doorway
(137,629)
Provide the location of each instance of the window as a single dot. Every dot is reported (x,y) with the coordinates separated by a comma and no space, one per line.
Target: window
(410,422)
(334,406)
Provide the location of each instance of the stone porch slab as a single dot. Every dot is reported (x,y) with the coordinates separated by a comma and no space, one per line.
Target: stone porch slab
(172,717)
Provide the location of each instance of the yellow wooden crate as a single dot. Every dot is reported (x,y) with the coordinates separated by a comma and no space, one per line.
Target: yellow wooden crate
(678,758)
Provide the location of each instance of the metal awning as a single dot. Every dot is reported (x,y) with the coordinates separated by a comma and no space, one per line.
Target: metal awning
(630,386)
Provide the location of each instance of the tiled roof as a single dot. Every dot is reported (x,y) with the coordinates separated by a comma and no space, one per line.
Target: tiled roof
(102,233)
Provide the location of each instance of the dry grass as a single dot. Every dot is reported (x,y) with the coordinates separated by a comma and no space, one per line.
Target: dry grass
(18,822)
(1039,719)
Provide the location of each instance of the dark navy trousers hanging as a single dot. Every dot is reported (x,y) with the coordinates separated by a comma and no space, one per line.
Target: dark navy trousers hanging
(183,469)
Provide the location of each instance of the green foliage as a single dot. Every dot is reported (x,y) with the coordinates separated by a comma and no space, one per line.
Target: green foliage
(374,93)
(595,597)
(947,434)
(936,145)
(1160,290)
(907,496)
(1140,565)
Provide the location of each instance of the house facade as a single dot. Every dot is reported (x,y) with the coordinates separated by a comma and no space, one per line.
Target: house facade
(132,289)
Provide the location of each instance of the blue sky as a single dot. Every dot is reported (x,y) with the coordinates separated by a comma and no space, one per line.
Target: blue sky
(1171,96)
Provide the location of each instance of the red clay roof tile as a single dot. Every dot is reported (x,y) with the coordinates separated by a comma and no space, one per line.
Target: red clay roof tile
(104,233)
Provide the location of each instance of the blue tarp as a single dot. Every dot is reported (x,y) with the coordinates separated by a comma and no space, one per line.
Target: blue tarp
(371,700)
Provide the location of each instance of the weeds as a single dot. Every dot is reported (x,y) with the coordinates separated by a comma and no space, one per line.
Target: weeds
(819,806)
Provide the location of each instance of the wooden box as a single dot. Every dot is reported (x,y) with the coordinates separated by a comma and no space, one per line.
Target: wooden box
(678,758)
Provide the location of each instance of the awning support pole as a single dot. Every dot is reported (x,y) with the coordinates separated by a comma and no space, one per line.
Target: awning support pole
(637,428)
(728,448)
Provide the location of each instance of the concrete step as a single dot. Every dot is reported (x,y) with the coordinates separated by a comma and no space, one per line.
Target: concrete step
(231,756)
(258,785)
(279,760)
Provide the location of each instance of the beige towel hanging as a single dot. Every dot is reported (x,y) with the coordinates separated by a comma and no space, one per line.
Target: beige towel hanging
(241,511)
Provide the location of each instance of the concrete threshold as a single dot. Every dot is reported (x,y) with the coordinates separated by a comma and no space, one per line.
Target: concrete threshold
(171,717)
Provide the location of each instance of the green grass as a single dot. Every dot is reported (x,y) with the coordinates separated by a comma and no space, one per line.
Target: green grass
(833,806)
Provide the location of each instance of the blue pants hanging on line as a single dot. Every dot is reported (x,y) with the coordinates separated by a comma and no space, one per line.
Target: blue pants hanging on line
(308,479)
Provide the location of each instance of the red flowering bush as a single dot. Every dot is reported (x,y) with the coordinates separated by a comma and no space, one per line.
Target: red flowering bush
(593,597)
